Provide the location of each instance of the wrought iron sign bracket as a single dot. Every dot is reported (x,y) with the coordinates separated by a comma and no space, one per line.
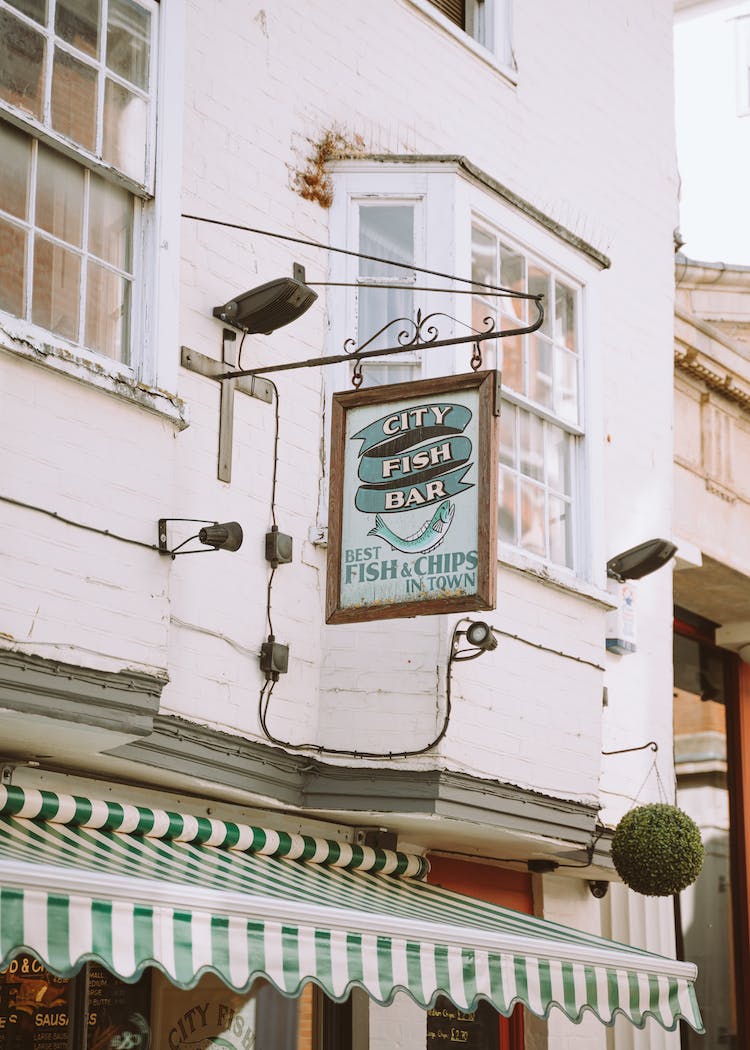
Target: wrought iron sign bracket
(254,386)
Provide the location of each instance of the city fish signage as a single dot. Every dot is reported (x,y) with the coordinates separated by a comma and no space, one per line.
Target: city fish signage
(413,499)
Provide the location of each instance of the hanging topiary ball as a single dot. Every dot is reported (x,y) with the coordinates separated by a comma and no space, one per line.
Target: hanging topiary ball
(657,850)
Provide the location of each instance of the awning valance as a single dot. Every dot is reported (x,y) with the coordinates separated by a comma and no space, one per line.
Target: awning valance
(182,896)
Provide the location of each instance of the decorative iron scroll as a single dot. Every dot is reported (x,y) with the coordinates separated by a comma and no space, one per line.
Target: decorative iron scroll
(422,334)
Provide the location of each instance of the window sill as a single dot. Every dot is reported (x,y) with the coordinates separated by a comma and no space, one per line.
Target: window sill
(506,71)
(24,341)
(552,576)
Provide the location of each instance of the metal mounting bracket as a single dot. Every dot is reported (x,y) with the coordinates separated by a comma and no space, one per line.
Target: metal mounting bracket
(254,386)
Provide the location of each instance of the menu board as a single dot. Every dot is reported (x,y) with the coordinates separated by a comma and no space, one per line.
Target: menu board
(36,1009)
(477,1030)
(118,1014)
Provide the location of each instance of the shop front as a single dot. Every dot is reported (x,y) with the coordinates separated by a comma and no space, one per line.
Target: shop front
(124,927)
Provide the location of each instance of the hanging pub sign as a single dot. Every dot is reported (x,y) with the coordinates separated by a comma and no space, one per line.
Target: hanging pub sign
(412,525)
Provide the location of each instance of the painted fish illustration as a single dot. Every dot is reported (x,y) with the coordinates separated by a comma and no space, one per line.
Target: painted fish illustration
(425,539)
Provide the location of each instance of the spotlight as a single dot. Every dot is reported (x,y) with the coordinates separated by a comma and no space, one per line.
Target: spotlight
(268,307)
(640,561)
(480,635)
(226,537)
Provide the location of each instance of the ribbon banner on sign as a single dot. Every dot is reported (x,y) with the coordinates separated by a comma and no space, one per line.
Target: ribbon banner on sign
(413,499)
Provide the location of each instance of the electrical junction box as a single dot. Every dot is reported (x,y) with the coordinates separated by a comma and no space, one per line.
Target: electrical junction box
(621,622)
(274,658)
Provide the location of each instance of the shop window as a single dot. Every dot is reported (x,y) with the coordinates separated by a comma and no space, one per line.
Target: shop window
(76,165)
(97,1011)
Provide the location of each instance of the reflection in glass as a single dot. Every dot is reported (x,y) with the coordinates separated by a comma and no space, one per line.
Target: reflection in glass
(36,9)
(59,196)
(110,223)
(560,532)
(107,312)
(388,232)
(12,268)
(532,519)
(558,459)
(21,64)
(508,435)
(15,158)
(513,276)
(540,370)
(77,22)
(511,349)
(506,523)
(566,385)
(74,99)
(56,288)
(531,445)
(539,284)
(483,256)
(128,41)
(125,118)
(565,315)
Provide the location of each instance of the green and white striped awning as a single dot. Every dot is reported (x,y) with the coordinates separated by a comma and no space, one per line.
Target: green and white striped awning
(131,887)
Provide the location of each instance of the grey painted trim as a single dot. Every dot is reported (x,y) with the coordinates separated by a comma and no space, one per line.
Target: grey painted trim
(483,178)
(123,701)
(199,752)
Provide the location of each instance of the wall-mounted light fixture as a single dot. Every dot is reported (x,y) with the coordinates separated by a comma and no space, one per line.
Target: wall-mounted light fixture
(269,306)
(479,636)
(640,561)
(214,536)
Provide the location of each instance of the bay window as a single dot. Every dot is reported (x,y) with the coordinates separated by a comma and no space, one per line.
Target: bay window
(540,420)
(76,165)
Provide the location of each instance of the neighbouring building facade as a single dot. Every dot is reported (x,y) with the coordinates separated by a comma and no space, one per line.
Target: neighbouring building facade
(190,825)
(712,581)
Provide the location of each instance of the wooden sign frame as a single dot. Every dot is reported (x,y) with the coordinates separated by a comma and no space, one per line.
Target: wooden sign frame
(470,473)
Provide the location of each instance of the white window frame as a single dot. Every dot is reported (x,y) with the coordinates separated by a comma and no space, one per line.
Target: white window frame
(153,368)
(451,202)
(497,47)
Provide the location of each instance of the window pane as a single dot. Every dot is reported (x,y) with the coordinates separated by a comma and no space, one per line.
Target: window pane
(15,158)
(380,375)
(74,99)
(56,291)
(513,276)
(77,22)
(558,449)
(21,64)
(125,118)
(565,315)
(532,519)
(560,532)
(128,41)
(110,223)
(12,268)
(531,445)
(387,232)
(59,196)
(483,256)
(511,350)
(36,9)
(107,312)
(540,370)
(566,385)
(539,284)
(377,306)
(508,435)
(506,524)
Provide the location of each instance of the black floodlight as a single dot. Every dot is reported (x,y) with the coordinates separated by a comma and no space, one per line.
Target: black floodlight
(268,307)
(640,561)
(224,537)
(480,635)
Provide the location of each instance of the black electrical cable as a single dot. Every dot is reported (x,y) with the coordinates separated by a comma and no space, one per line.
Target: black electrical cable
(360,255)
(78,524)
